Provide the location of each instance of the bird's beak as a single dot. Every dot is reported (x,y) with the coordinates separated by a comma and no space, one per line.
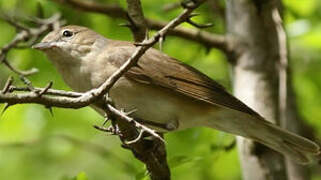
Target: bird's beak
(43,45)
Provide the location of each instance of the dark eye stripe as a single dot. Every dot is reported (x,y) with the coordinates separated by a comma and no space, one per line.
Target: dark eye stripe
(67,33)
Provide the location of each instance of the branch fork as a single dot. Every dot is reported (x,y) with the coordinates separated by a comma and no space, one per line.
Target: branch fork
(57,98)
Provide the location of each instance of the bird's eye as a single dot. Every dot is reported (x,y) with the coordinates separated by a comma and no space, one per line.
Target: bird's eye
(67,33)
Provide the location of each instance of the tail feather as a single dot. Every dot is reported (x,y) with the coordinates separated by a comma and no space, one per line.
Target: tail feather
(289,144)
(294,146)
(286,150)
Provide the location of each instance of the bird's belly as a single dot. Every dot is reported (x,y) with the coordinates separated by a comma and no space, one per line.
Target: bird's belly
(76,77)
(159,105)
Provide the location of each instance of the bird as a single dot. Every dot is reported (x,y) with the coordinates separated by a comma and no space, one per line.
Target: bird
(167,94)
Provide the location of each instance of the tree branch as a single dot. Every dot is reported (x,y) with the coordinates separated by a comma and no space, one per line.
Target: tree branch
(152,153)
(207,39)
(93,95)
(137,20)
(290,119)
(28,35)
(112,10)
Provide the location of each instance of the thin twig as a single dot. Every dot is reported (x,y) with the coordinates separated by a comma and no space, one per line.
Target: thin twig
(139,137)
(43,91)
(7,85)
(135,123)
(201,26)
(145,45)
(25,35)
(20,72)
(28,83)
(283,66)
(65,99)
(109,129)
(13,22)
(208,39)
(94,96)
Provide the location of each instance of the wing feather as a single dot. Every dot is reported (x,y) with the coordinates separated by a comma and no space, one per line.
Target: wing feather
(158,69)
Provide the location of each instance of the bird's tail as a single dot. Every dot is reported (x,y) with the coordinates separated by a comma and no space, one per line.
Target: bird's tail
(294,146)
(291,145)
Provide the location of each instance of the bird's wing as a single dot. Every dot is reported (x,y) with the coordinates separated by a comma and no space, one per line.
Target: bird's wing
(156,68)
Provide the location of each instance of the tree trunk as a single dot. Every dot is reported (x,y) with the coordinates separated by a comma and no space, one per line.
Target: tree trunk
(294,123)
(250,24)
(254,36)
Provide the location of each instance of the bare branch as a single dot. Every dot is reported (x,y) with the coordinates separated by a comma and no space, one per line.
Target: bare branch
(104,88)
(13,23)
(17,71)
(191,22)
(205,38)
(43,91)
(25,35)
(94,95)
(209,40)
(156,159)
(283,66)
(7,85)
(33,98)
(139,137)
(48,92)
(139,126)
(112,10)
(136,16)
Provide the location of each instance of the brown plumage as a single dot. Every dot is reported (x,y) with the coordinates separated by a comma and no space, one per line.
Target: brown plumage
(168,94)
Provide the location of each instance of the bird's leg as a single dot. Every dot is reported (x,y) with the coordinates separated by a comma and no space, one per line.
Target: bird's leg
(112,129)
(106,119)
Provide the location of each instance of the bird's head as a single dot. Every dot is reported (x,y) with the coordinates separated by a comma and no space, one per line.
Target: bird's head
(68,43)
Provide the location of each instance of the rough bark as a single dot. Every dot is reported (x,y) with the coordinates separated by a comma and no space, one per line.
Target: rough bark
(256,64)
(251,26)
(289,116)
(138,24)
(150,152)
(294,123)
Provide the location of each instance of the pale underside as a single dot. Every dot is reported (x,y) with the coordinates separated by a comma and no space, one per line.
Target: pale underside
(162,90)
(169,95)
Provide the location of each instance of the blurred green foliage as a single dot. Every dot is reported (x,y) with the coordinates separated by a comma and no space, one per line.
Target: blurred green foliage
(35,145)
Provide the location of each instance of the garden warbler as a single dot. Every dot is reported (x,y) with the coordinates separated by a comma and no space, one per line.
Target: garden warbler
(167,94)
